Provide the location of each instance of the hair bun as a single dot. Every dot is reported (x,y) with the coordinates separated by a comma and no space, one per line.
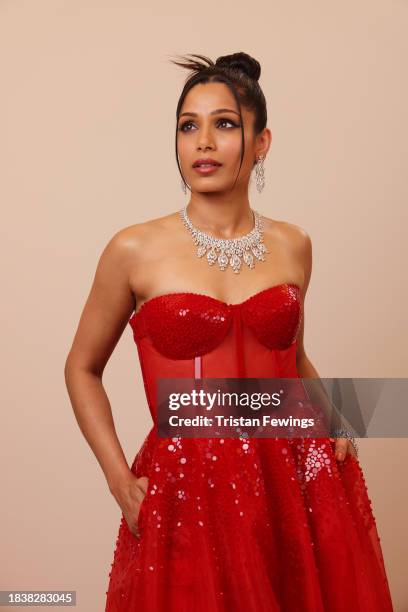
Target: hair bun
(241,61)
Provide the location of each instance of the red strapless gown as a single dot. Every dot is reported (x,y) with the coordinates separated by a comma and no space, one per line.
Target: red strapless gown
(232,525)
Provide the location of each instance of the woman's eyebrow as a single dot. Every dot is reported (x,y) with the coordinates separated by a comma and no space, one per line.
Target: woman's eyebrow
(215,112)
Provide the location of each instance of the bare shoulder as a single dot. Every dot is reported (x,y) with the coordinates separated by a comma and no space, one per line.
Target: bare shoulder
(295,241)
(293,235)
(131,240)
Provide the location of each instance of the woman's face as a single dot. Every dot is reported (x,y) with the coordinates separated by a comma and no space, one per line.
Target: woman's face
(203,131)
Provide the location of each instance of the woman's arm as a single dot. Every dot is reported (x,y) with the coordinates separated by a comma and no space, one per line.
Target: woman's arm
(304,366)
(102,322)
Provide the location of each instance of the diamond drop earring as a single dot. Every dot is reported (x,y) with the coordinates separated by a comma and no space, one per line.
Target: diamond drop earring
(183,186)
(260,173)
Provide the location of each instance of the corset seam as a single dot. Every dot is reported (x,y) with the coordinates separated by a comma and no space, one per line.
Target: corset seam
(239,342)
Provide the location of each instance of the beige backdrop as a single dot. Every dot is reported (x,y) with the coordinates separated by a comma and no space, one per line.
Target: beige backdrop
(88,115)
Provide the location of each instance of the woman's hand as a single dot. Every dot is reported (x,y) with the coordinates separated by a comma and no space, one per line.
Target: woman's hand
(342,447)
(130,495)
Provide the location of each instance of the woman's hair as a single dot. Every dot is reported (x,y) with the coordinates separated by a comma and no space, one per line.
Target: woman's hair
(240,73)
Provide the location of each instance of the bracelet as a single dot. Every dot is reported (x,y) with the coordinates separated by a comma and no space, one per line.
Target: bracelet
(344,433)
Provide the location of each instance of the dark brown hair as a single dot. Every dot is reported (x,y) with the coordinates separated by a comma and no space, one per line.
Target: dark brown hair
(240,73)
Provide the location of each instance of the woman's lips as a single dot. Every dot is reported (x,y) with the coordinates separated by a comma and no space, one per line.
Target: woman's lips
(206,169)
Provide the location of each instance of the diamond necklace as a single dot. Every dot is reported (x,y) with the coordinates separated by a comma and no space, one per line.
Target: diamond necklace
(231,250)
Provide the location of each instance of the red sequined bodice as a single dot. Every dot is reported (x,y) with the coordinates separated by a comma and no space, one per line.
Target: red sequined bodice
(192,335)
(185,325)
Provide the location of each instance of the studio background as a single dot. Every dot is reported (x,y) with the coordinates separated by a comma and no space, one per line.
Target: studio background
(87,116)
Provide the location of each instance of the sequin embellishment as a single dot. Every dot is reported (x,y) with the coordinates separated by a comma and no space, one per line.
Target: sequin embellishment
(186,325)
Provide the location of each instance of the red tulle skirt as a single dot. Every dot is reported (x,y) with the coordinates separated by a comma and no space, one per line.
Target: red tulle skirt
(255,525)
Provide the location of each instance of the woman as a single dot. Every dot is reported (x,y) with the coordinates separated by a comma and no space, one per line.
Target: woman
(212,524)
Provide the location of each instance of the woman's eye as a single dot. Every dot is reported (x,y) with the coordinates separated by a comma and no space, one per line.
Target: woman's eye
(187,123)
(183,125)
(228,121)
